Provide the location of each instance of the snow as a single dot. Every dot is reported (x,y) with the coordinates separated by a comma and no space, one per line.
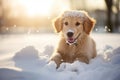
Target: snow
(26,57)
(74,13)
(29,58)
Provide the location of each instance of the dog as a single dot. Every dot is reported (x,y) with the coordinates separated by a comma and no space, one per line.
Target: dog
(75,42)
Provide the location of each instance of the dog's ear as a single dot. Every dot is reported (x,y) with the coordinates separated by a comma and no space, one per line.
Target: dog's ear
(88,24)
(57,23)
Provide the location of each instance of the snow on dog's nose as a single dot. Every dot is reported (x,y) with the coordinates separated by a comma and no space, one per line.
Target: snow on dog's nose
(70,33)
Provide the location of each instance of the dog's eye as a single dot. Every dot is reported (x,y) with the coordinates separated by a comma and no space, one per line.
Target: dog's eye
(66,23)
(77,23)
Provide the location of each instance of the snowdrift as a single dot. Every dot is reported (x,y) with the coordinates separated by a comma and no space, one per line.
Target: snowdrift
(104,67)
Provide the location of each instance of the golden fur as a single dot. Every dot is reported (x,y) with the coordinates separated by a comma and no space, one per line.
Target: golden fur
(85,48)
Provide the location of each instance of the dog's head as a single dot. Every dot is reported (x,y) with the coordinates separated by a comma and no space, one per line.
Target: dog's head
(73,23)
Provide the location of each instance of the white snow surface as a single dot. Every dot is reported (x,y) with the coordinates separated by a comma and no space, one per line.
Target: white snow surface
(25,57)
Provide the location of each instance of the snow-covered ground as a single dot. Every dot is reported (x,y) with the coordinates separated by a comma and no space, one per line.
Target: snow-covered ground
(25,57)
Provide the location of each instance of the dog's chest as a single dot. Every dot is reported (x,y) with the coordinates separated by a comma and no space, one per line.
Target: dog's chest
(69,54)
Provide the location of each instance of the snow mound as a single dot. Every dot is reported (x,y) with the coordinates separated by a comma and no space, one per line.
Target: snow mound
(27,58)
(48,50)
(28,52)
(106,66)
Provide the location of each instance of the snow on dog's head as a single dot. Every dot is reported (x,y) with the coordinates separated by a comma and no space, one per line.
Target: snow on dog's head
(74,13)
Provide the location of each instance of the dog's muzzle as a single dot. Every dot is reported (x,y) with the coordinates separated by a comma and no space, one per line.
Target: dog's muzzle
(71,40)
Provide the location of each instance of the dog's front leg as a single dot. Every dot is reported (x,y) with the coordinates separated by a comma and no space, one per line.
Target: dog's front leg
(57,58)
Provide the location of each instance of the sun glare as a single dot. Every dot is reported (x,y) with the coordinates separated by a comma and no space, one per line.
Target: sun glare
(35,7)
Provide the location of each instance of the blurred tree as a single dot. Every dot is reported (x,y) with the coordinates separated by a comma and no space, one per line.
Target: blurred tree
(109,4)
(1,13)
(117,14)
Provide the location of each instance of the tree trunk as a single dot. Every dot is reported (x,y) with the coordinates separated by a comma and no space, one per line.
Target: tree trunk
(117,15)
(109,4)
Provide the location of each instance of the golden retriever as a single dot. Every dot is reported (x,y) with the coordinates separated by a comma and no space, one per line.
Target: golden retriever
(75,43)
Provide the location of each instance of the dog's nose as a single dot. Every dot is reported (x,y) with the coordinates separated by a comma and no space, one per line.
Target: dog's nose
(70,34)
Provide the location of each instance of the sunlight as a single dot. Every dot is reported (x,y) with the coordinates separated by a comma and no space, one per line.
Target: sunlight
(37,7)
(32,8)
